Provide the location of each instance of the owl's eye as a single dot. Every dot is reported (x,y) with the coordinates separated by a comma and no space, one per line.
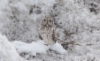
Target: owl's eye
(44,20)
(50,21)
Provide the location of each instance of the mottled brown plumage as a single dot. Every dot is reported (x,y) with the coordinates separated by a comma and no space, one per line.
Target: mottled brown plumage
(47,30)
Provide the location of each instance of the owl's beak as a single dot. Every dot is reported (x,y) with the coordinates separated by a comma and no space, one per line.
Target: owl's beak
(47,25)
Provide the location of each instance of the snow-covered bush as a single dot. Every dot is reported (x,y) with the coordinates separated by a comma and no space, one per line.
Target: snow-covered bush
(20,19)
(75,20)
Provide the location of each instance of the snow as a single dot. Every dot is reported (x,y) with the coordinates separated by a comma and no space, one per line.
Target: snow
(33,47)
(58,48)
(39,47)
(7,51)
(75,20)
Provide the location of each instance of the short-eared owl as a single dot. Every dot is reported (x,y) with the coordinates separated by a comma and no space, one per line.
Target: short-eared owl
(47,30)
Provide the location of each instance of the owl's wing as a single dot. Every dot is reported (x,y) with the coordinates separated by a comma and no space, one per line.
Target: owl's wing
(40,37)
(54,36)
(40,34)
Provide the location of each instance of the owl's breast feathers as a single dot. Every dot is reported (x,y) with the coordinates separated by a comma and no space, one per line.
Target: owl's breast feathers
(54,36)
(48,35)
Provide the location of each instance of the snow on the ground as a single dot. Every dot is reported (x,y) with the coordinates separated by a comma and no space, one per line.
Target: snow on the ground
(31,48)
(55,52)
(7,51)
(39,47)
(58,48)
(75,20)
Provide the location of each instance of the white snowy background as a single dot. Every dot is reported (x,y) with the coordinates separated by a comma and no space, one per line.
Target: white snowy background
(75,20)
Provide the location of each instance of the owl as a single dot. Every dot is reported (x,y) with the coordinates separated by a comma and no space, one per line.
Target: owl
(47,31)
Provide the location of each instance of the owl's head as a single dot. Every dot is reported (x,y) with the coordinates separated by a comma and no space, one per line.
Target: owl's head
(48,21)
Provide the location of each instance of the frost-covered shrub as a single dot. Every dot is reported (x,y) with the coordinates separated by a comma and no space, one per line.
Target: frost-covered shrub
(20,19)
(92,5)
(75,20)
